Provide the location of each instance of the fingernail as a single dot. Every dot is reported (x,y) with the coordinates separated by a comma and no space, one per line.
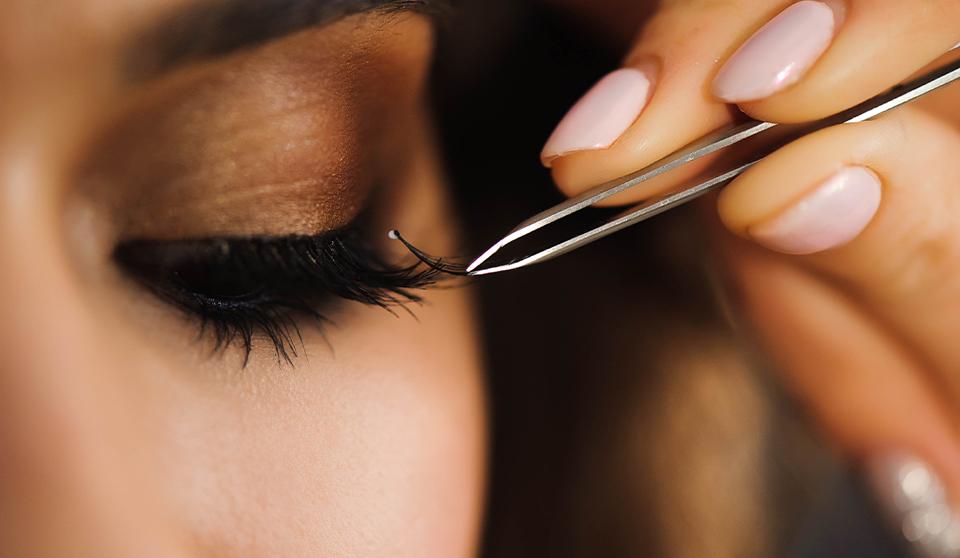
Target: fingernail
(914,500)
(831,216)
(602,115)
(777,55)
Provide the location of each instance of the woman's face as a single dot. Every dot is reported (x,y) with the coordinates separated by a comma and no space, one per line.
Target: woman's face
(193,361)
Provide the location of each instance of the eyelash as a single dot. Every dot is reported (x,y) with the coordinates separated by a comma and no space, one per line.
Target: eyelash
(241,287)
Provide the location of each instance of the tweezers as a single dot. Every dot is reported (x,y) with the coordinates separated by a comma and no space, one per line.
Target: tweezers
(488,263)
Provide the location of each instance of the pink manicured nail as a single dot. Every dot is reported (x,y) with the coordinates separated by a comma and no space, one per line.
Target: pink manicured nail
(833,215)
(777,55)
(601,116)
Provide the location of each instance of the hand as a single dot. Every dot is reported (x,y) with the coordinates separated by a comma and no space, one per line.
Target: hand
(846,244)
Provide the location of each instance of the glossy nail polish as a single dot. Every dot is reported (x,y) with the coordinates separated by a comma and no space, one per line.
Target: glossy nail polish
(777,55)
(602,115)
(915,501)
(832,215)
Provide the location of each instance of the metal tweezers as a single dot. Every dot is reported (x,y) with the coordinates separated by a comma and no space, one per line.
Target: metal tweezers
(712,143)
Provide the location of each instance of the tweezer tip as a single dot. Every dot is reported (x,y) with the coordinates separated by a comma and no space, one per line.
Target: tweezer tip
(482,259)
(437,264)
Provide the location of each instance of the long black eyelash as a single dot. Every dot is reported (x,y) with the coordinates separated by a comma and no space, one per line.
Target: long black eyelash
(242,287)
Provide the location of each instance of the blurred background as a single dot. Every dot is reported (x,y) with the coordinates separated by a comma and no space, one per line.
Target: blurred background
(630,415)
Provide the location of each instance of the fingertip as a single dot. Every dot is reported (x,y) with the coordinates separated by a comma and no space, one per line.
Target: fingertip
(602,115)
(811,195)
(778,54)
(678,50)
(876,44)
(831,215)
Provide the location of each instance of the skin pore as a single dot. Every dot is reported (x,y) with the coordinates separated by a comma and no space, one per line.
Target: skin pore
(124,432)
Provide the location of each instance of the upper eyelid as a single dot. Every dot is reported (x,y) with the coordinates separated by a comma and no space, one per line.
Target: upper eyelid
(208,151)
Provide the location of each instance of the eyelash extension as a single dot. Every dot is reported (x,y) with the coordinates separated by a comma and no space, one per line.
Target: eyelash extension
(240,287)
(440,265)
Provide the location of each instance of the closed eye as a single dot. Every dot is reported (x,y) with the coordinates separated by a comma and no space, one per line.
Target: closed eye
(240,288)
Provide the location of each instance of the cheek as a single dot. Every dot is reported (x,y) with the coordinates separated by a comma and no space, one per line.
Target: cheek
(373,448)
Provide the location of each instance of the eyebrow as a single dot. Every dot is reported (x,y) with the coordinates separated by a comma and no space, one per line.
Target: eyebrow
(214,28)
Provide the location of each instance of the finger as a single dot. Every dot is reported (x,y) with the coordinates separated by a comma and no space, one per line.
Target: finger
(873,206)
(658,102)
(862,389)
(868,395)
(817,58)
(664,97)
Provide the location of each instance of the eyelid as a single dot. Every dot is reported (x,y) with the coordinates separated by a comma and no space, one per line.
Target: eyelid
(262,285)
(264,137)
